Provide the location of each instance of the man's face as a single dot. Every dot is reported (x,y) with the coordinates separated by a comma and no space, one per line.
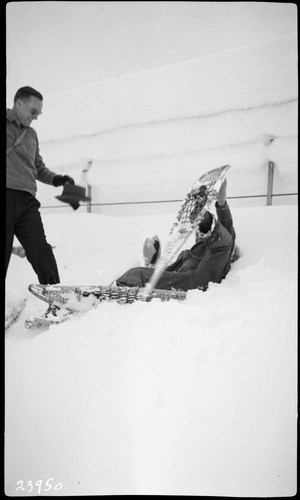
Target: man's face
(27,110)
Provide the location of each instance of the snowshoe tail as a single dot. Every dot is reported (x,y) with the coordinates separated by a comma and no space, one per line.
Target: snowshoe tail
(14,313)
(53,316)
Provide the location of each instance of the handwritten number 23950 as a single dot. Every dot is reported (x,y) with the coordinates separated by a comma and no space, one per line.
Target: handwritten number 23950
(29,486)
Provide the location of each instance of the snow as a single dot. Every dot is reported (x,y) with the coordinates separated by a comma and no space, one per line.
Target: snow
(191,398)
(215,110)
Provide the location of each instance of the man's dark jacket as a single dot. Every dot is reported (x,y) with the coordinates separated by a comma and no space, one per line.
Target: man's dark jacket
(207,261)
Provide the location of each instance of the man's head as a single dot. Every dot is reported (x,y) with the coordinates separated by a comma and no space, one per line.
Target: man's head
(28,104)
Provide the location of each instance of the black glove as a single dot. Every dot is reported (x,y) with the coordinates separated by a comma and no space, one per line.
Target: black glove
(61,180)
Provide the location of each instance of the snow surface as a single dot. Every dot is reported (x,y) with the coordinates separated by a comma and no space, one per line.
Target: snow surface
(191,398)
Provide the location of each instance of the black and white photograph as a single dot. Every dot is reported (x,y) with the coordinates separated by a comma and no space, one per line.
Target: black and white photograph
(151,249)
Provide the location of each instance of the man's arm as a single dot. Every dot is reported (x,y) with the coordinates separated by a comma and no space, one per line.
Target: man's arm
(46,176)
(213,265)
(222,208)
(225,217)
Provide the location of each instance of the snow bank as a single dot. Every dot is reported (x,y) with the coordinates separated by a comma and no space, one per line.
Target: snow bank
(247,77)
(191,398)
(151,134)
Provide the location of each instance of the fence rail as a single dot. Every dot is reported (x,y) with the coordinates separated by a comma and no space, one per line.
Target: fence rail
(166,201)
(178,201)
(269,195)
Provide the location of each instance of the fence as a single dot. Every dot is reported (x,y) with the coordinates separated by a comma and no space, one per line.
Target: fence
(269,195)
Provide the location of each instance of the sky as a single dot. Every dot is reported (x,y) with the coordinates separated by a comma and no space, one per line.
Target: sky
(64,45)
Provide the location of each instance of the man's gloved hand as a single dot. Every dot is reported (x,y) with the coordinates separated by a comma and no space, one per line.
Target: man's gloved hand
(61,180)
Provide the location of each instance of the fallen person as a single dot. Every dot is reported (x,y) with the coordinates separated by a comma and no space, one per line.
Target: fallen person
(208,260)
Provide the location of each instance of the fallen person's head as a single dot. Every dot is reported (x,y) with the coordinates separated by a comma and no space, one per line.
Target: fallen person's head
(206,225)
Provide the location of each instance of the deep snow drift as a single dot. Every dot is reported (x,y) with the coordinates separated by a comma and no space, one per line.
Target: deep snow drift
(191,398)
(151,134)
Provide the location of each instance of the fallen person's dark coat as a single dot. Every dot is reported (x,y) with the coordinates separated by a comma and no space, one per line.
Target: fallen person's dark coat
(207,261)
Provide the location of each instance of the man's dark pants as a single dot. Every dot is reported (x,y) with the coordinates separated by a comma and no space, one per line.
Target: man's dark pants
(23,220)
(139,276)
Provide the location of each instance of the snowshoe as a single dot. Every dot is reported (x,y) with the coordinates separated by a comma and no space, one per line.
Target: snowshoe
(53,316)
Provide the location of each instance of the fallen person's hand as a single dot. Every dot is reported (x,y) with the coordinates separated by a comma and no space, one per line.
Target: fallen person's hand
(221,195)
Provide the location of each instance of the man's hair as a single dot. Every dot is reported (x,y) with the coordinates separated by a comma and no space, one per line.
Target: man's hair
(26,93)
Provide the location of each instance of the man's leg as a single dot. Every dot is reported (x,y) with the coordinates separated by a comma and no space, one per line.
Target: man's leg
(10,225)
(176,280)
(136,276)
(30,233)
(139,276)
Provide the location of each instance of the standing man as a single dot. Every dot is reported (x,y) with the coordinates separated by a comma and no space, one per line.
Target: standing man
(24,166)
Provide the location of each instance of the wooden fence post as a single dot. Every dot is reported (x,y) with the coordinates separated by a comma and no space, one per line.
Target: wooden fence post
(270,182)
(88,187)
(89,194)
